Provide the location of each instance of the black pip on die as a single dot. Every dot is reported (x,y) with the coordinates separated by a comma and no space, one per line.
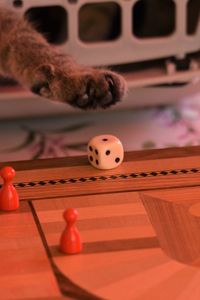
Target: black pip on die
(105,152)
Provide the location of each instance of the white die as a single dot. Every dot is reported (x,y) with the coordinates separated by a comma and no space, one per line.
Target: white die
(105,152)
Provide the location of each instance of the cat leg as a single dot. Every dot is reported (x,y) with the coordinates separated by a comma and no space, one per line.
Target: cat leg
(27,57)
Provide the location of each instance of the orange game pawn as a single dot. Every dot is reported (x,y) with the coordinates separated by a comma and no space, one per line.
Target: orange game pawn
(9,199)
(70,241)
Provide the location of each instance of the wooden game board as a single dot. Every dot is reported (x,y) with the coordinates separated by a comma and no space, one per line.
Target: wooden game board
(124,256)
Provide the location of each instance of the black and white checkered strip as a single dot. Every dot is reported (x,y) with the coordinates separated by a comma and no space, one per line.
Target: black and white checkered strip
(105,178)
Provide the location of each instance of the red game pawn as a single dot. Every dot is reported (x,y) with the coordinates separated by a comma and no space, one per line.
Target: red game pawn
(9,199)
(70,241)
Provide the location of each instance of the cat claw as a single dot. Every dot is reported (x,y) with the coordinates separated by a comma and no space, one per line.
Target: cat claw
(100,95)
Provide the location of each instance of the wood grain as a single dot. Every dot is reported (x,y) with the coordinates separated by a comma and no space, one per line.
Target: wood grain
(119,238)
(25,272)
(39,181)
(174,215)
(119,253)
(125,214)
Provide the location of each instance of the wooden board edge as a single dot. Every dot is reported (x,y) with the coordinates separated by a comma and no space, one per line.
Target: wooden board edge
(83,161)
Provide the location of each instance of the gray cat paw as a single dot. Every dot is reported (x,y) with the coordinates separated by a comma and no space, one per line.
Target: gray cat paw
(85,88)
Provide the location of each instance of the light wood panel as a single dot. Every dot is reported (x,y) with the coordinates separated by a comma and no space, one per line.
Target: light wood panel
(25,271)
(121,256)
(175,216)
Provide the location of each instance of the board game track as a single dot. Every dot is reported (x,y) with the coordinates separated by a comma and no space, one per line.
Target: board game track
(103,178)
(114,245)
(68,289)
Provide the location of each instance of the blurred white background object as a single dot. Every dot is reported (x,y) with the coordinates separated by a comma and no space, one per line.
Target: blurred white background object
(160,61)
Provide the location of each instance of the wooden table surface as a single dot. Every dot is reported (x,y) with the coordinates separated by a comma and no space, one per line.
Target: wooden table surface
(139,224)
